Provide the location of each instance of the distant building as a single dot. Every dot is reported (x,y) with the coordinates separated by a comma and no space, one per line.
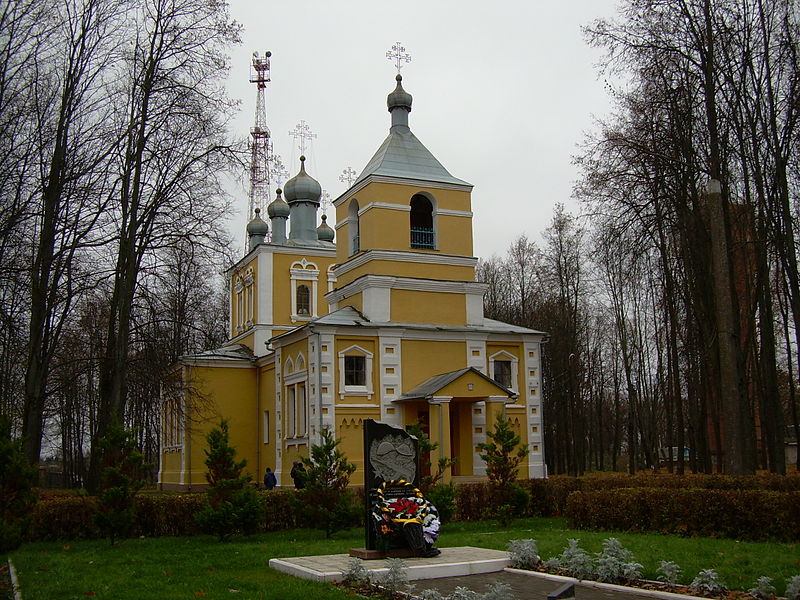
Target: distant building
(385,324)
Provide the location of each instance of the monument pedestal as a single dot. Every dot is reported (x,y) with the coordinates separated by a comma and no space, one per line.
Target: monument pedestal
(365,554)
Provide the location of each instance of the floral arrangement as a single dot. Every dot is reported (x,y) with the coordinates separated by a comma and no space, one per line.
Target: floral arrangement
(391,513)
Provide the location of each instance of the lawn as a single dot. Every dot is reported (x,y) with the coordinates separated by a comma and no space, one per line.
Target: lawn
(202,567)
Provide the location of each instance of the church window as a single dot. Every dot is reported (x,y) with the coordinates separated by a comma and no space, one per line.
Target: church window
(171,423)
(304,276)
(352,219)
(295,418)
(291,410)
(355,370)
(502,372)
(422,230)
(504,369)
(303,300)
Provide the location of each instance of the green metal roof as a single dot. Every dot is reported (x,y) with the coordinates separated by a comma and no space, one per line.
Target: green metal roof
(402,155)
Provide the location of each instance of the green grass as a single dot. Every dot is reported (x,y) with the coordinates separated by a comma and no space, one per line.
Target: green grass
(201,567)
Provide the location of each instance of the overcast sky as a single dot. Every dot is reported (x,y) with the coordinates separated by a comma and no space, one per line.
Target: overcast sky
(503,91)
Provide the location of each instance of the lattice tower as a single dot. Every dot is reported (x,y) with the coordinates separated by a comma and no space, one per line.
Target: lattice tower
(260,142)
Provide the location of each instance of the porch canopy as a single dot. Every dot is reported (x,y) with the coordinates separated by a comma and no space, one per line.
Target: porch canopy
(468,384)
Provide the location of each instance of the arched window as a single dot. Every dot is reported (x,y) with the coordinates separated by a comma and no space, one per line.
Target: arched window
(422,233)
(352,217)
(303,300)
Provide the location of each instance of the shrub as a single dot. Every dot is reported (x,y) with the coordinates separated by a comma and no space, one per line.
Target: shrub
(395,579)
(503,455)
(669,572)
(793,588)
(574,560)
(763,589)
(708,582)
(443,497)
(233,506)
(327,503)
(124,472)
(742,514)
(355,575)
(17,478)
(524,554)
(615,563)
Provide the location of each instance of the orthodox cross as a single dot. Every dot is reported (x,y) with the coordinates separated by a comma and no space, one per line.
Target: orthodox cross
(399,55)
(325,201)
(302,131)
(277,170)
(348,176)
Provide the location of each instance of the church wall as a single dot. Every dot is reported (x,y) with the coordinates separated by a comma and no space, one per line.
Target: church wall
(220,393)
(171,468)
(243,296)
(281,297)
(384,228)
(350,429)
(294,373)
(423,359)
(384,220)
(266,438)
(412,306)
(356,301)
(442,272)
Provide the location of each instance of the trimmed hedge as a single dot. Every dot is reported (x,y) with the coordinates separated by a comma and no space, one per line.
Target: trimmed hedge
(549,496)
(67,517)
(733,513)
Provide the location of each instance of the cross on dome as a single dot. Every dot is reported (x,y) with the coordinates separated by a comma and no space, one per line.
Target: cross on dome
(399,55)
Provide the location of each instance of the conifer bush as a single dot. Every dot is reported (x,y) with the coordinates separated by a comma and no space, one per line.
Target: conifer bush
(17,478)
(327,503)
(123,475)
(232,504)
(503,455)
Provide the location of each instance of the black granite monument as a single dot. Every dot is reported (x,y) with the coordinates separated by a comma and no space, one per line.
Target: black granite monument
(390,455)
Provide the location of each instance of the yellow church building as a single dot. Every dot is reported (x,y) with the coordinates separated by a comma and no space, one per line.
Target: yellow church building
(386,324)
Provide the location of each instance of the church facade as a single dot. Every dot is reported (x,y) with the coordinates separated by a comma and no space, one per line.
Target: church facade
(386,324)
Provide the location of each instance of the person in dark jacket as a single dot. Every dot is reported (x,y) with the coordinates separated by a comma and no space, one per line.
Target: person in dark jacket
(269,480)
(298,474)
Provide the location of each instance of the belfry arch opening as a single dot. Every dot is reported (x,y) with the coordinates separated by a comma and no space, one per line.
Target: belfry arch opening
(422,231)
(352,217)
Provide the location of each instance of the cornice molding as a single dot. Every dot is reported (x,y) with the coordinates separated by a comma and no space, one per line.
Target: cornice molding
(417,183)
(363,258)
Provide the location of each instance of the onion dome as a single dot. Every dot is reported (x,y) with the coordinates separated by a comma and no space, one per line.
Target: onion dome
(302,187)
(278,207)
(324,231)
(257,226)
(399,98)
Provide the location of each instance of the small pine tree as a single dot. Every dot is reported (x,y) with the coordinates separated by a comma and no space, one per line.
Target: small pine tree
(326,500)
(124,474)
(502,459)
(232,505)
(17,477)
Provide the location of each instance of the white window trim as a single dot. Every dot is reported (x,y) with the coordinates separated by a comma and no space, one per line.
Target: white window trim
(295,378)
(356,390)
(303,271)
(503,355)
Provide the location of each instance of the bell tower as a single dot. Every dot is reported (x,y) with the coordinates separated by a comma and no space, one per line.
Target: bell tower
(405,231)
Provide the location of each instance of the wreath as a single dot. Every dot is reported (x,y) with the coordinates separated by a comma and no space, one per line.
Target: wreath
(391,514)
